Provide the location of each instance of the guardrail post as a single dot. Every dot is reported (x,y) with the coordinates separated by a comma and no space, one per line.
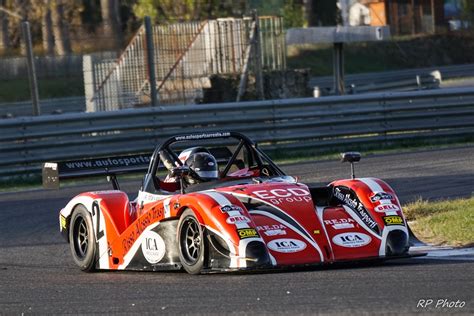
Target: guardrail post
(150,54)
(25,28)
(89,84)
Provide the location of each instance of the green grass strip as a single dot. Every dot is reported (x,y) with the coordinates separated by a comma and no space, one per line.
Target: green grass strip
(443,222)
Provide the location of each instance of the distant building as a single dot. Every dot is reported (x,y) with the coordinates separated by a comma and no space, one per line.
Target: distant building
(403,16)
(359,14)
(415,16)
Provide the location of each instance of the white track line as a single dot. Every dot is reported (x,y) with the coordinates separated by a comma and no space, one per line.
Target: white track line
(444,253)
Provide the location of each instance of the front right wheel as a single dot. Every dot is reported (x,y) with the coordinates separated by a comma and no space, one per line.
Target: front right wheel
(191,243)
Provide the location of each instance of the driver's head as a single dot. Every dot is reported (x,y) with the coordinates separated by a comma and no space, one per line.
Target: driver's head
(204,165)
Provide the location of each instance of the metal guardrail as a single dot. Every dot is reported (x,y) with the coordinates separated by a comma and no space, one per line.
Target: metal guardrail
(364,80)
(48,106)
(418,82)
(278,124)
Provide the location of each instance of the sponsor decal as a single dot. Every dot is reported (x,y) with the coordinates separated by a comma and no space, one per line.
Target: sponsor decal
(343,226)
(62,222)
(140,225)
(104,192)
(273,230)
(202,136)
(340,223)
(350,199)
(231,208)
(238,219)
(153,247)
(393,220)
(128,241)
(379,196)
(386,208)
(286,245)
(279,196)
(148,197)
(122,161)
(167,209)
(247,233)
(351,240)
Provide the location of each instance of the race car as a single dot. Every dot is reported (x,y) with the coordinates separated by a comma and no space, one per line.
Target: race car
(216,202)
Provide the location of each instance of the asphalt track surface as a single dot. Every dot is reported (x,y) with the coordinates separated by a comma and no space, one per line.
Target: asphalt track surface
(38,276)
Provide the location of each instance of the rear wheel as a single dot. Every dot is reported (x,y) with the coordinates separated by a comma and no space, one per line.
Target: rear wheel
(82,240)
(191,243)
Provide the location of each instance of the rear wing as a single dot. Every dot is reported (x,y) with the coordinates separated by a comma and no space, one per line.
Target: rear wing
(53,172)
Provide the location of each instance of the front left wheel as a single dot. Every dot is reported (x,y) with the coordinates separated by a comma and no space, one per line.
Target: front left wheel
(82,240)
(191,243)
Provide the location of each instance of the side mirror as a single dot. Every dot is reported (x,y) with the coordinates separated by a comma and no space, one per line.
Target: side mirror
(351,157)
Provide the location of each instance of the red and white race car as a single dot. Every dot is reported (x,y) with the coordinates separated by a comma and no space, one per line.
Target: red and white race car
(247,215)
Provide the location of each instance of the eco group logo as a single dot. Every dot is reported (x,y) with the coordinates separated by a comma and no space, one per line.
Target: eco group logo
(284,195)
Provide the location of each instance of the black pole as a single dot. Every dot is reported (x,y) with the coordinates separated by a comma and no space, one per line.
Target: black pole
(25,27)
(338,68)
(258,58)
(150,54)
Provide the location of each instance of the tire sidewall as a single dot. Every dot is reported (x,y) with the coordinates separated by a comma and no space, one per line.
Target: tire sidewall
(196,267)
(87,262)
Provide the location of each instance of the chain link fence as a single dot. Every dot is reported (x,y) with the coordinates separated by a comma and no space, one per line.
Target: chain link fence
(112,68)
(185,55)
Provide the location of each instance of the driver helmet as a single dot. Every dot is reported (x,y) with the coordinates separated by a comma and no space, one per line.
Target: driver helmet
(204,165)
(188,152)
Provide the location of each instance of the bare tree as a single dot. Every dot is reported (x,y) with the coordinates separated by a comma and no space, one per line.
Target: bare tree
(60,28)
(163,11)
(308,7)
(47,28)
(111,21)
(4,41)
(22,8)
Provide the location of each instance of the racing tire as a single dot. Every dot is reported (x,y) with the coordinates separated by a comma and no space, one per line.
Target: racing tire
(82,240)
(191,243)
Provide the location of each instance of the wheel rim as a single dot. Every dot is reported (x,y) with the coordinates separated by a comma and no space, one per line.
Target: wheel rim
(81,237)
(191,242)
